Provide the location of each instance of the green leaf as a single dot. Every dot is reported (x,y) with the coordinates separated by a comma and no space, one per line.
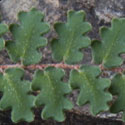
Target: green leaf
(15,95)
(2,43)
(112,45)
(52,93)
(92,88)
(71,38)
(27,37)
(3,29)
(118,88)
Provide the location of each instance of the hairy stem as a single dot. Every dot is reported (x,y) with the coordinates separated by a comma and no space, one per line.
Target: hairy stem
(117,69)
(58,65)
(41,66)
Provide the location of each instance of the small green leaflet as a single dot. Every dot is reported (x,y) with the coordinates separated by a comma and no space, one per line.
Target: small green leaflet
(27,37)
(71,38)
(52,93)
(3,29)
(118,88)
(92,88)
(108,51)
(15,95)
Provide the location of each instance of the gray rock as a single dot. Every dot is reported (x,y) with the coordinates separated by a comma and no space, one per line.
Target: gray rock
(108,9)
(104,9)
(10,8)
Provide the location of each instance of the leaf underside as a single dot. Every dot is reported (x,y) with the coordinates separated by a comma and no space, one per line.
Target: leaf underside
(118,88)
(27,37)
(3,29)
(71,38)
(92,89)
(52,93)
(15,95)
(107,52)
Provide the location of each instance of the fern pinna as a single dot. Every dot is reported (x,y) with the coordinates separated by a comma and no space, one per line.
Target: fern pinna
(47,82)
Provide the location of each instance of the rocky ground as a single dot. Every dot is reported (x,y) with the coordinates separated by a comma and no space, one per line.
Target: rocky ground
(98,13)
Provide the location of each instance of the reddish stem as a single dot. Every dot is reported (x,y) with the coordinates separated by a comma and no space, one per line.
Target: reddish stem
(118,69)
(41,66)
(59,65)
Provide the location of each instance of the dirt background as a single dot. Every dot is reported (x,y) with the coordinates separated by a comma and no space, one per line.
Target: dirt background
(98,13)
